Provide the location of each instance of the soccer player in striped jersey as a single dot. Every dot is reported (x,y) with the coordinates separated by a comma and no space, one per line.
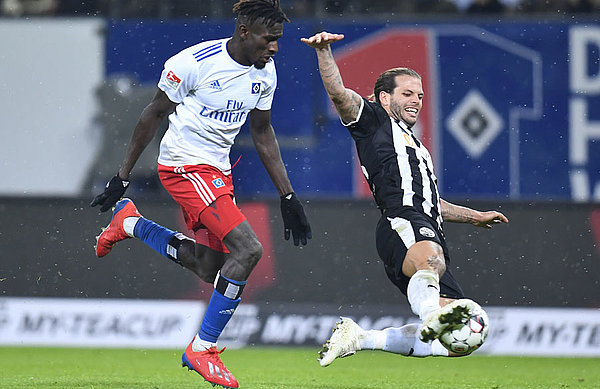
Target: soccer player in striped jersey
(208,91)
(409,235)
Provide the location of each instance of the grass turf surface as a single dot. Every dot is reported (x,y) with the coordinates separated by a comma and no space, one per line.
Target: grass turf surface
(297,368)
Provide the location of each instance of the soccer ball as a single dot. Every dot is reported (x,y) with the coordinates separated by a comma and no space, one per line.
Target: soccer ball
(468,336)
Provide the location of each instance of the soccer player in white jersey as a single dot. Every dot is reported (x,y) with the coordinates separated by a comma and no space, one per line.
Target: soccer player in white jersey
(208,91)
(409,235)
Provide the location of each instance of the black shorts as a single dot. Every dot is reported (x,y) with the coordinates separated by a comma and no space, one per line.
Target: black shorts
(396,234)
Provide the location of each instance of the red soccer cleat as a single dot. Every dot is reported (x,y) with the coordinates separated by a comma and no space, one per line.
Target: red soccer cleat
(209,365)
(114,232)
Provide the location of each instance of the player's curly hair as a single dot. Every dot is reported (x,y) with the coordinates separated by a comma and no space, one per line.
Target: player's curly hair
(387,80)
(268,12)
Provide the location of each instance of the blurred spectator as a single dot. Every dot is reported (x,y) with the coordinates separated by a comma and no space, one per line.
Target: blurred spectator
(538,6)
(437,6)
(336,7)
(298,8)
(486,7)
(29,7)
(82,8)
(388,8)
(578,6)
(195,9)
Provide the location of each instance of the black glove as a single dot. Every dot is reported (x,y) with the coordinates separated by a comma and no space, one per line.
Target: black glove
(114,190)
(294,220)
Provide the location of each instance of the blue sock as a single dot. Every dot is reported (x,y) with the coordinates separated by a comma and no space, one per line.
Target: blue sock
(154,235)
(219,311)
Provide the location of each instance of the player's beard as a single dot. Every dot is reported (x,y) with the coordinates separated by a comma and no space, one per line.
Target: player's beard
(398,112)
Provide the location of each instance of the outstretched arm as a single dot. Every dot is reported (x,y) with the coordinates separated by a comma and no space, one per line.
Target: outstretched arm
(346,101)
(460,214)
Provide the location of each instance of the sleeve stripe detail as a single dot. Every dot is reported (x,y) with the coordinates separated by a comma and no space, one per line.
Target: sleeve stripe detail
(207,52)
(208,48)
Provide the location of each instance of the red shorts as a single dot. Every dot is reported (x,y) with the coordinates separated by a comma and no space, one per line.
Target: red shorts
(205,196)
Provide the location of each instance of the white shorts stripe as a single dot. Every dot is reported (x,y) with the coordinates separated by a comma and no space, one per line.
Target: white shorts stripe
(198,189)
(207,189)
(404,230)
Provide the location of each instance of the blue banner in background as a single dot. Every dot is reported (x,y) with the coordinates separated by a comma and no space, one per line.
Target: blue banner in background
(512,108)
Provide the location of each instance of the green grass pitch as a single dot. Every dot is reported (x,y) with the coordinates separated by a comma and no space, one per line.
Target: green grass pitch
(258,367)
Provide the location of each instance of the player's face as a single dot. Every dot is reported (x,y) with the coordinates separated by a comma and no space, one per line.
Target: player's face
(406,100)
(261,43)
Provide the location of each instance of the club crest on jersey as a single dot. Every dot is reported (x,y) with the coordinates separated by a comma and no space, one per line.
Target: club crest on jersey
(218,183)
(172,80)
(255,88)
(428,232)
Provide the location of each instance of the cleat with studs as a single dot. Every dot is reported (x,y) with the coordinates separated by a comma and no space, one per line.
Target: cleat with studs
(114,232)
(208,364)
(454,313)
(344,342)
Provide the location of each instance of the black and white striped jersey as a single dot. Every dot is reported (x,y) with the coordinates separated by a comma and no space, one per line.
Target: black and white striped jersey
(397,166)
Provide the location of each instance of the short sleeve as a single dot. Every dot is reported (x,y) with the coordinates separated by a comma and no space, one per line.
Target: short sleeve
(367,120)
(178,77)
(268,90)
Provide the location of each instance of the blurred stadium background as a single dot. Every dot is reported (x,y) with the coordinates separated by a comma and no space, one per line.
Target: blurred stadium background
(511,118)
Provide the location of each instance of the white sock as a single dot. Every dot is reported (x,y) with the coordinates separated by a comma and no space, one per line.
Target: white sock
(424,293)
(402,340)
(129,225)
(201,345)
(373,340)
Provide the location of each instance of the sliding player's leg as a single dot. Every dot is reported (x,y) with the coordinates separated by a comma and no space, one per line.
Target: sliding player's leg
(348,338)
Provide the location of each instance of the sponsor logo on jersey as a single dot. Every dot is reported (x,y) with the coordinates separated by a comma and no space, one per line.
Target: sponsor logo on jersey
(409,140)
(224,116)
(428,232)
(218,183)
(215,85)
(172,80)
(255,88)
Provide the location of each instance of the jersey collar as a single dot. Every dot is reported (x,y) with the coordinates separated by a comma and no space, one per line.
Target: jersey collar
(404,126)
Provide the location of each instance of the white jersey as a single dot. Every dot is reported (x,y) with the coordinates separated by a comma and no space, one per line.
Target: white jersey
(214,95)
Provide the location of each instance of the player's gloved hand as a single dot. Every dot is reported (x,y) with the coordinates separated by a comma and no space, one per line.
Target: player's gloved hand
(114,190)
(294,220)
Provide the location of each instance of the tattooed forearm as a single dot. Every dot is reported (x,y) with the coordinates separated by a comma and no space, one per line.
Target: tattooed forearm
(457,214)
(346,101)
(330,74)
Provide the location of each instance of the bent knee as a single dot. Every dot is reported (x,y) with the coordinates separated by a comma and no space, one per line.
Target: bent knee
(424,255)
(436,263)
(255,251)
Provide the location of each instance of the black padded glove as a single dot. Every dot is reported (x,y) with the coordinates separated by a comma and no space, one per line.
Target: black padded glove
(294,220)
(114,190)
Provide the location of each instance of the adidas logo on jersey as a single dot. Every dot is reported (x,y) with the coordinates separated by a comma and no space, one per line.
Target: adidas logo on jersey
(215,85)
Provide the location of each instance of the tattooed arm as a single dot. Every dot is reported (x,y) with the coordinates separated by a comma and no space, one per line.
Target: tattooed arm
(346,101)
(459,214)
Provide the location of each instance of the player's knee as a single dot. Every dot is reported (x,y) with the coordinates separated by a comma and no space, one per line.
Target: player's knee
(186,251)
(434,262)
(254,252)
(437,263)
(248,256)
(207,275)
